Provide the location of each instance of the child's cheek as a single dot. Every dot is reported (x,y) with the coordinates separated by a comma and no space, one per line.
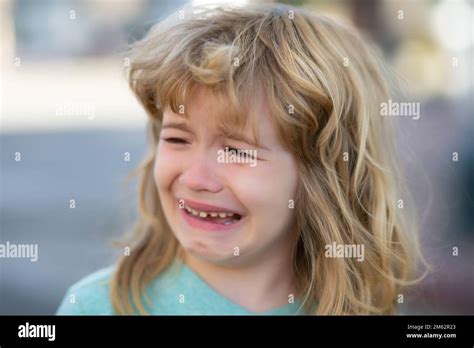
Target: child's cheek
(254,181)
(167,167)
(250,185)
(265,190)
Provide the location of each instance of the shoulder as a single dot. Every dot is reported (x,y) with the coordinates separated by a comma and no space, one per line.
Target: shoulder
(90,295)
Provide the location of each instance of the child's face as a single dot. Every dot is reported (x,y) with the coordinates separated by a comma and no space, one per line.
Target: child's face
(188,167)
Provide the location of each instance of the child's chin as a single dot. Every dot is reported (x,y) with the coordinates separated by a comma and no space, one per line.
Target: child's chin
(212,256)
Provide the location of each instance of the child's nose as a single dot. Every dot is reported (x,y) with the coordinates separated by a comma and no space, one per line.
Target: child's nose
(200,174)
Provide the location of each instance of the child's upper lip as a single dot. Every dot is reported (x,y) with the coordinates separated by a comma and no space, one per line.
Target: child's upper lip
(209,207)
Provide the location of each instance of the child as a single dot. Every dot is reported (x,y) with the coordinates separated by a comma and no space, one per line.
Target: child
(270,185)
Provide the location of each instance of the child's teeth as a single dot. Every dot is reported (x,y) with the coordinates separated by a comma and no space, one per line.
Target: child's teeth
(203,214)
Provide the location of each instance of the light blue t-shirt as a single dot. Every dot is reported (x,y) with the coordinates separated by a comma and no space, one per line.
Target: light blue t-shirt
(176,291)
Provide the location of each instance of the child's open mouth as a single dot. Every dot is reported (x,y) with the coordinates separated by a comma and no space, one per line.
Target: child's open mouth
(208,217)
(221,218)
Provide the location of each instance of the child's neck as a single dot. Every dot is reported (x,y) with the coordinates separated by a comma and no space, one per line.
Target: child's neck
(258,286)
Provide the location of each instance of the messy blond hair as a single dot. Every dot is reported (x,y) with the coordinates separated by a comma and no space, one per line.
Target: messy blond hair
(324,87)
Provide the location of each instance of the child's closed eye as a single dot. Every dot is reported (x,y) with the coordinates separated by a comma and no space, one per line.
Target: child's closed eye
(175,140)
(239,152)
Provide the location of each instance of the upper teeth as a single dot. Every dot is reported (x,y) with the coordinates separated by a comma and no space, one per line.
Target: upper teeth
(205,214)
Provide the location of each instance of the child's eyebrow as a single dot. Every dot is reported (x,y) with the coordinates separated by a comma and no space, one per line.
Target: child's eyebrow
(178,125)
(242,137)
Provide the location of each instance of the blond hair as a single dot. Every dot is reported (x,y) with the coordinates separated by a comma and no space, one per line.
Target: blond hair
(324,87)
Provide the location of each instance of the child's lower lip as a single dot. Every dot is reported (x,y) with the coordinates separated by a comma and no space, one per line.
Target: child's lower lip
(197,222)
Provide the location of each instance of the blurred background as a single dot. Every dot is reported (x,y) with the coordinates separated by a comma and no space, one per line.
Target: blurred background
(71,132)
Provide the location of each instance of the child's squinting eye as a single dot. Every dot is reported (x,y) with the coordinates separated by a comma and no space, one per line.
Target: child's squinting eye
(239,152)
(231,150)
(175,141)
